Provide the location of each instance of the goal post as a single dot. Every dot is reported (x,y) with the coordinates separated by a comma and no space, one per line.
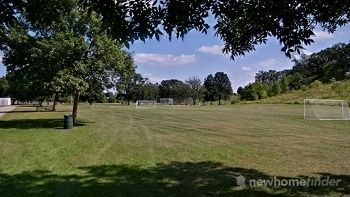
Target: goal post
(146,104)
(323,109)
(166,101)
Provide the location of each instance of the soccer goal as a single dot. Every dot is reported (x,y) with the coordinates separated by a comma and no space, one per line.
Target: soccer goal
(321,109)
(167,101)
(145,104)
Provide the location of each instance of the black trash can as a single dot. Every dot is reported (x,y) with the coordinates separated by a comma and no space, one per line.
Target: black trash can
(68,121)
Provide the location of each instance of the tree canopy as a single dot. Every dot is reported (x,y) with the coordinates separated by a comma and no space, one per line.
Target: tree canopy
(241,24)
(68,53)
(173,88)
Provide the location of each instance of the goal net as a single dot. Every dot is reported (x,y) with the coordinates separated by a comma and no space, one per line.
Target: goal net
(320,109)
(145,103)
(167,101)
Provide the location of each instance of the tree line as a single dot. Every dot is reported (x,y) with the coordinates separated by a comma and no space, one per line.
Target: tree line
(130,87)
(330,64)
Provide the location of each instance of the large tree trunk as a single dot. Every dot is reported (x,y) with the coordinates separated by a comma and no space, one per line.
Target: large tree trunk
(75,107)
(219,101)
(54,102)
(128,101)
(194,100)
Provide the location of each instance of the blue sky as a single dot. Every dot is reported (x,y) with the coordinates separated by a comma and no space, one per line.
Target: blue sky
(199,55)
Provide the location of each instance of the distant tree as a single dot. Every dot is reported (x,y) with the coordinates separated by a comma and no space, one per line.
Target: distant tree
(261,90)
(249,93)
(255,91)
(20,88)
(210,89)
(267,77)
(146,91)
(129,81)
(262,94)
(330,64)
(173,88)
(284,83)
(4,87)
(111,98)
(194,85)
(297,80)
(223,86)
(240,90)
(202,94)
(94,94)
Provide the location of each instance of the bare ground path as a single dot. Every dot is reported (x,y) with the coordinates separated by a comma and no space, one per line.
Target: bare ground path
(5,109)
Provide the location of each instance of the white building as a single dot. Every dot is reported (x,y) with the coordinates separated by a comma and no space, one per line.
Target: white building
(5,101)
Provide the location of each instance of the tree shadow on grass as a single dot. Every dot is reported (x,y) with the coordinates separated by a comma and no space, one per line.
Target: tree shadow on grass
(32,110)
(34,124)
(22,111)
(172,179)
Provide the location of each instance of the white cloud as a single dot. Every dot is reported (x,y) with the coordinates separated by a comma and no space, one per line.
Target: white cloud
(246,68)
(268,62)
(213,50)
(322,35)
(161,60)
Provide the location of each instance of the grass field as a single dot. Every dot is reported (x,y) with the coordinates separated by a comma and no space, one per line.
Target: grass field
(170,151)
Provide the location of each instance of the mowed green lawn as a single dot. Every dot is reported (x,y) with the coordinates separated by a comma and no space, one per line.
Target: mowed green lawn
(170,151)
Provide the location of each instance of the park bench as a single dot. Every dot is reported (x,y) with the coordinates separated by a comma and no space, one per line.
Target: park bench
(42,108)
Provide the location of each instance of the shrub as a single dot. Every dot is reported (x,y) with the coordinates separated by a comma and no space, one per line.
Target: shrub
(262,94)
(275,89)
(234,102)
